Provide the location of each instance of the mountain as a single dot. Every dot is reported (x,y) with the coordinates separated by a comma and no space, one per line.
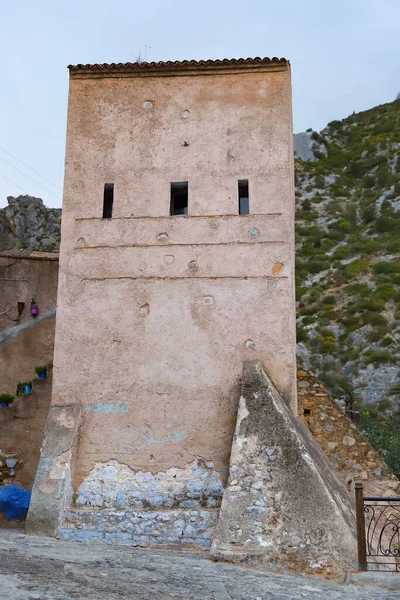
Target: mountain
(348,252)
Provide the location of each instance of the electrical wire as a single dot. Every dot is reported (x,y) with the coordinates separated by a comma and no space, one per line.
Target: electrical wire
(29,177)
(25,165)
(13,182)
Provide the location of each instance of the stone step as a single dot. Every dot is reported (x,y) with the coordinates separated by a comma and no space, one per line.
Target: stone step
(141,527)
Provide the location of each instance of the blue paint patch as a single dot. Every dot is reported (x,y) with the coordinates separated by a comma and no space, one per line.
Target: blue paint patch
(254,232)
(119,407)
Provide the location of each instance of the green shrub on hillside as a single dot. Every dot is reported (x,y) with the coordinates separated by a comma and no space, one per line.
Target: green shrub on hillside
(378,357)
(386,291)
(356,267)
(341,253)
(361,289)
(387,267)
(387,341)
(329,299)
(301,334)
(383,433)
(373,318)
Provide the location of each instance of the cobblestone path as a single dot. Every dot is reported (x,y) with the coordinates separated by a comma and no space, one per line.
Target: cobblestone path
(34,568)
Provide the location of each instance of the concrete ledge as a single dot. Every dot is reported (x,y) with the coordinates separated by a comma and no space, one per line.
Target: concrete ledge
(380,579)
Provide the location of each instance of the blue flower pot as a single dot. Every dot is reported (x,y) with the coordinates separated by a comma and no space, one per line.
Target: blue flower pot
(42,375)
(4,404)
(28,389)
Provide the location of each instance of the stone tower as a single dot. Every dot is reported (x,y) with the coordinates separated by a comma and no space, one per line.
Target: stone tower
(176,260)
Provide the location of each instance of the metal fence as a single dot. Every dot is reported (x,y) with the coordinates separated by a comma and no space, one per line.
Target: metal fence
(378,532)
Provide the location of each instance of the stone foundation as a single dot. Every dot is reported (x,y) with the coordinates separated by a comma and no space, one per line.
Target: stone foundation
(114,504)
(141,528)
(114,485)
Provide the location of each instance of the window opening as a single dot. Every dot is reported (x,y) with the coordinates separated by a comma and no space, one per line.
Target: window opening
(179,198)
(108,200)
(244,206)
(307,411)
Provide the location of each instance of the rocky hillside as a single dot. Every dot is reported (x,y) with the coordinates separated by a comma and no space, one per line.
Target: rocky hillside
(28,224)
(348,252)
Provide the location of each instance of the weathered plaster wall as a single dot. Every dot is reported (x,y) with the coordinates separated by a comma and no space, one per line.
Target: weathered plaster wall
(348,451)
(21,434)
(156,314)
(26,342)
(25,275)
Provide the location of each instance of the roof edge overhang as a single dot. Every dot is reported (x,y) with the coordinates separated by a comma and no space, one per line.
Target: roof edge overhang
(176,68)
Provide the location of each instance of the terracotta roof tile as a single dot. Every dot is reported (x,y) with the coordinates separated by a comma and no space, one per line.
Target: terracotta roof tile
(184,65)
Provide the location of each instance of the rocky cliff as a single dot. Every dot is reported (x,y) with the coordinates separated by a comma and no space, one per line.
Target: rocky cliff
(28,224)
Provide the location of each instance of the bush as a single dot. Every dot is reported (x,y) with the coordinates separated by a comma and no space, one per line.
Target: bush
(377,334)
(301,334)
(374,304)
(356,267)
(386,291)
(314,266)
(341,253)
(387,341)
(370,246)
(386,267)
(329,299)
(308,320)
(378,357)
(384,435)
(362,289)
(368,214)
(384,223)
(373,318)
(335,125)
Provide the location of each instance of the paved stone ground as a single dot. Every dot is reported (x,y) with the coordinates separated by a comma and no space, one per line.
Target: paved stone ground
(34,568)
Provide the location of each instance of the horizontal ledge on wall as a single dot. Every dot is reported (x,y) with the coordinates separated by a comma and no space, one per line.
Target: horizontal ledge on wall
(163,245)
(34,255)
(186,217)
(210,278)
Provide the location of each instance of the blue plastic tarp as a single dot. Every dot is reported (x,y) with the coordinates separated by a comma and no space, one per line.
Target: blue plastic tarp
(14,502)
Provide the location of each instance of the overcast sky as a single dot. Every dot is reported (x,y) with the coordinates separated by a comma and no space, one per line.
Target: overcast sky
(345,57)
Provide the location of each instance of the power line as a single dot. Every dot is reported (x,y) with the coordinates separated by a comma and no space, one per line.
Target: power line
(29,177)
(13,182)
(25,165)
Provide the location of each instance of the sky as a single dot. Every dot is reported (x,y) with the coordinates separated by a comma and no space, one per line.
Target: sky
(345,57)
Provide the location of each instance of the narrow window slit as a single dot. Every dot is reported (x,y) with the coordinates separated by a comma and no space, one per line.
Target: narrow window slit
(244,205)
(307,411)
(179,198)
(108,200)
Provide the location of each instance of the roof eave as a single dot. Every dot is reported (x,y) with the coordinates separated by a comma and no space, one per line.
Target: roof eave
(186,67)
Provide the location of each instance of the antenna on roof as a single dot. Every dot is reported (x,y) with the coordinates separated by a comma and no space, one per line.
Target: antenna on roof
(142,55)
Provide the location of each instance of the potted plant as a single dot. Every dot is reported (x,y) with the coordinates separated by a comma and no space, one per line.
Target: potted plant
(5,400)
(24,388)
(34,308)
(41,371)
